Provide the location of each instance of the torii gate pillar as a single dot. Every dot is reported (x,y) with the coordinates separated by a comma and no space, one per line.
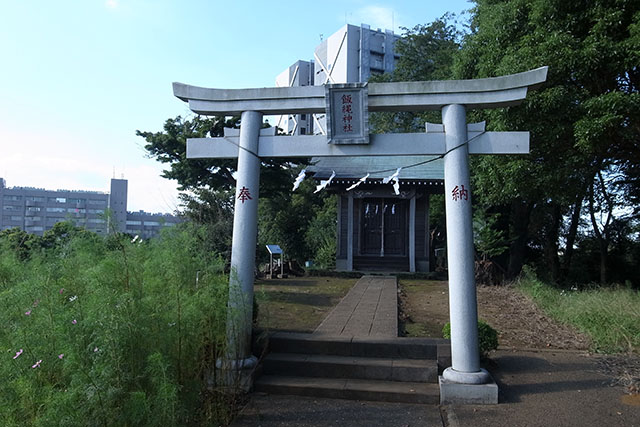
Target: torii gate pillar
(243,250)
(463,312)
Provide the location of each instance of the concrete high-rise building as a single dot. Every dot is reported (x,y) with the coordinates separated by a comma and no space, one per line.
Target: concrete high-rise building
(118,205)
(299,74)
(351,55)
(37,210)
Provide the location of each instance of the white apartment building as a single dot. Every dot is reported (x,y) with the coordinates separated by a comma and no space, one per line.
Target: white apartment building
(350,55)
(37,210)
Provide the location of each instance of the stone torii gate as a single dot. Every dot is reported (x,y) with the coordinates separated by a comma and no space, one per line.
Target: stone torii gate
(347,107)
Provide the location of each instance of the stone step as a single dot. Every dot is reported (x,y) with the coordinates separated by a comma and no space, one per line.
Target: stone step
(370,368)
(395,348)
(353,389)
(377,263)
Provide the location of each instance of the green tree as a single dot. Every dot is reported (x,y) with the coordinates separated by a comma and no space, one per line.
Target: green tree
(20,242)
(489,241)
(209,184)
(426,52)
(583,121)
(170,146)
(321,235)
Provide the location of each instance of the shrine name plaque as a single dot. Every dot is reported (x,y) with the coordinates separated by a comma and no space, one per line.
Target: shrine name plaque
(347,113)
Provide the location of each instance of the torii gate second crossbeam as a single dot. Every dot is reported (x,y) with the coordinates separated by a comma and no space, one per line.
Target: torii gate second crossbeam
(451,139)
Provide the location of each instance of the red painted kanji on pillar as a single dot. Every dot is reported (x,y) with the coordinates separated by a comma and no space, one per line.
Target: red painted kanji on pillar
(244,194)
(460,193)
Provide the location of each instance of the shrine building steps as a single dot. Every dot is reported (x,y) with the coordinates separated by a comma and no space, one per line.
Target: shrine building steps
(384,369)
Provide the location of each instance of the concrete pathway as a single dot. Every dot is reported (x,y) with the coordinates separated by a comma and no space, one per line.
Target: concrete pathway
(370,309)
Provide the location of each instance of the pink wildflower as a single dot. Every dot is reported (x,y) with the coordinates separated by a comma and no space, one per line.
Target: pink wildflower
(61,291)
(18,353)
(74,321)
(61,355)
(37,364)
(27,313)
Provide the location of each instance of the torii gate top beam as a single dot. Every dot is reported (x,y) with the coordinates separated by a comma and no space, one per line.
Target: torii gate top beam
(491,92)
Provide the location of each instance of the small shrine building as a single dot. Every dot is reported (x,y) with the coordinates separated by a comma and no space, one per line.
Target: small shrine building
(379,228)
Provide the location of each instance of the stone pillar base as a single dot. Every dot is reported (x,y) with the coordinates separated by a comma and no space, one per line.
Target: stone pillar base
(233,376)
(468,394)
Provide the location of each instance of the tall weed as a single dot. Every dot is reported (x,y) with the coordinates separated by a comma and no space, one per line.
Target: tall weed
(108,332)
(610,316)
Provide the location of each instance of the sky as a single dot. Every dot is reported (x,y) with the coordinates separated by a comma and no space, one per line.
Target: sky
(79,77)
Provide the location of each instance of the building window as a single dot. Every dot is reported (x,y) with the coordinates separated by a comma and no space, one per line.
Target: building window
(303,131)
(33,209)
(134,222)
(303,117)
(34,198)
(96,220)
(95,211)
(56,210)
(16,218)
(152,223)
(57,200)
(11,198)
(96,202)
(10,208)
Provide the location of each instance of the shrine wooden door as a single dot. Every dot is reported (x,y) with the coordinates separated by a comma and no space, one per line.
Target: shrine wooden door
(384,227)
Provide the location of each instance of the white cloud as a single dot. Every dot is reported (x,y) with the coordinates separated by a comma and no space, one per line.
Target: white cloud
(148,191)
(111,4)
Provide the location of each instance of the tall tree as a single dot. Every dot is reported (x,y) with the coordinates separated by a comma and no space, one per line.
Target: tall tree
(209,187)
(584,120)
(425,52)
(170,147)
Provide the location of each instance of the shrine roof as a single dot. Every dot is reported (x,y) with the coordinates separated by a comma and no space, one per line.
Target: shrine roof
(413,167)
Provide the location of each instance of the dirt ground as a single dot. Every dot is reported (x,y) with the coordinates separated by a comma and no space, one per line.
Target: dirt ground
(301,303)
(519,322)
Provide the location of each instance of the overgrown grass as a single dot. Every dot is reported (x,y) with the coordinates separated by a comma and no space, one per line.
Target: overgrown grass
(298,304)
(609,316)
(111,333)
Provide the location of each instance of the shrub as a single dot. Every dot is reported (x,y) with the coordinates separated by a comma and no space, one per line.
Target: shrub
(487,337)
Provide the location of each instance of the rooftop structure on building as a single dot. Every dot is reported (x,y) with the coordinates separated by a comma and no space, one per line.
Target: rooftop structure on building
(37,210)
(351,55)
